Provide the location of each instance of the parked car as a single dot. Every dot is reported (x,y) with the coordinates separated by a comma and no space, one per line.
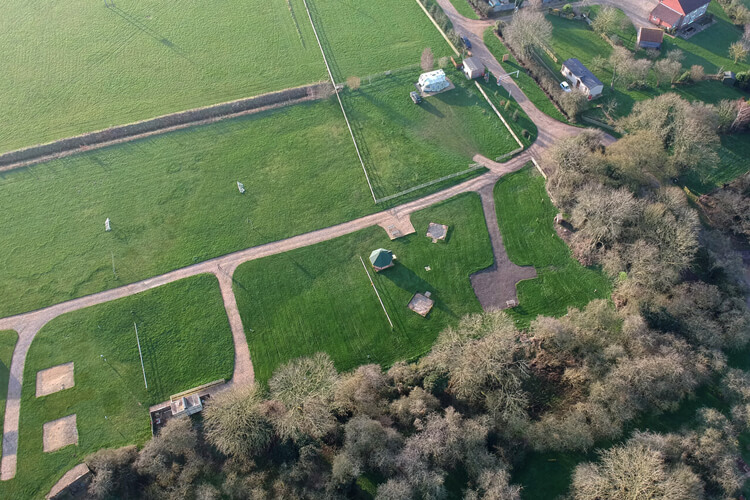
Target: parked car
(466,42)
(415,97)
(565,86)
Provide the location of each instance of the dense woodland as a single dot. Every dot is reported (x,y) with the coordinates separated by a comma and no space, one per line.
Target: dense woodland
(488,394)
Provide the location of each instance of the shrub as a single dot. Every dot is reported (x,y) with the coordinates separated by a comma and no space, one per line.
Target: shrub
(515,116)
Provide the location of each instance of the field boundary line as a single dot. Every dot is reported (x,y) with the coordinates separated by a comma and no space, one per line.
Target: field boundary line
(119,134)
(376,292)
(430,183)
(341,104)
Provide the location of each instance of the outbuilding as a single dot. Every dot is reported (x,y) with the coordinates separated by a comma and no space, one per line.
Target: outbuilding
(650,38)
(473,68)
(434,81)
(381,259)
(581,78)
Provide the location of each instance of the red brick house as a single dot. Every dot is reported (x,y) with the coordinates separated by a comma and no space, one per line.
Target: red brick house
(678,13)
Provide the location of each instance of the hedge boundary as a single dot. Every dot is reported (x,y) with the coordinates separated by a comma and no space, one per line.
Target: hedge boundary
(161,124)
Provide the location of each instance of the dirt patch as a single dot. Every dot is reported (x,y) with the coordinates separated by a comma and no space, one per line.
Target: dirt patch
(397,227)
(60,433)
(54,379)
(437,232)
(421,304)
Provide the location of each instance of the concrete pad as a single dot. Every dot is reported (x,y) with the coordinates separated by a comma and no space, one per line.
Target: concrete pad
(437,232)
(54,379)
(397,227)
(421,304)
(60,433)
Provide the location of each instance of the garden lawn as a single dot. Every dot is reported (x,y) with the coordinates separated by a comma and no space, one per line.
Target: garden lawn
(574,38)
(8,340)
(173,201)
(624,31)
(404,145)
(527,84)
(186,341)
(77,66)
(320,299)
(463,8)
(364,38)
(735,161)
(525,216)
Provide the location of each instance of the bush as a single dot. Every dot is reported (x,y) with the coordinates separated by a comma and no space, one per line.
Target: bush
(743,80)
(525,133)
(515,116)
(507,105)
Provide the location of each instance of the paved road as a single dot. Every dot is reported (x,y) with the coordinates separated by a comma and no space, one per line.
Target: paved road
(28,324)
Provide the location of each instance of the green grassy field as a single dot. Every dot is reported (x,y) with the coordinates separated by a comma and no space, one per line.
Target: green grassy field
(463,8)
(77,66)
(8,340)
(364,38)
(525,215)
(527,84)
(319,298)
(735,161)
(405,145)
(186,341)
(173,201)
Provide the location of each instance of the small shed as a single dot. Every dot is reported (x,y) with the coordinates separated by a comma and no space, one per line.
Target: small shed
(473,68)
(434,81)
(729,78)
(581,78)
(381,259)
(650,38)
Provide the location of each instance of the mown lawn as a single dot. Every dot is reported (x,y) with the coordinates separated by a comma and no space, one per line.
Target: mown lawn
(8,340)
(185,339)
(319,298)
(624,31)
(527,84)
(76,66)
(525,215)
(364,38)
(405,144)
(463,8)
(173,201)
(735,161)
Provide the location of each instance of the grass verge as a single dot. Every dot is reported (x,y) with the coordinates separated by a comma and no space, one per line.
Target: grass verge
(8,339)
(463,8)
(186,341)
(525,216)
(319,298)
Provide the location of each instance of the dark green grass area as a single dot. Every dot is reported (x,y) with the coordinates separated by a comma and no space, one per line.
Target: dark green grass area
(404,144)
(185,339)
(8,340)
(76,66)
(364,38)
(527,84)
(463,8)
(525,215)
(173,201)
(735,161)
(319,298)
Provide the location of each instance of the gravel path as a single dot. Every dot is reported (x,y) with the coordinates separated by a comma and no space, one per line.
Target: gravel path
(550,130)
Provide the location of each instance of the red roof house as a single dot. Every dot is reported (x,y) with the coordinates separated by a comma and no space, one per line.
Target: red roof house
(678,13)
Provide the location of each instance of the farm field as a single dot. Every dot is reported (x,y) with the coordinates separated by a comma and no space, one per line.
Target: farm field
(319,298)
(525,215)
(186,341)
(173,201)
(527,84)
(365,38)
(8,340)
(77,66)
(404,145)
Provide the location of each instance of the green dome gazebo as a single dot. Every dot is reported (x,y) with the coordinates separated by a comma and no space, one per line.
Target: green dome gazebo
(381,259)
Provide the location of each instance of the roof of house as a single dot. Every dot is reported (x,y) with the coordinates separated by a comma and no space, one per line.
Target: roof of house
(684,7)
(582,73)
(381,257)
(473,64)
(666,14)
(654,35)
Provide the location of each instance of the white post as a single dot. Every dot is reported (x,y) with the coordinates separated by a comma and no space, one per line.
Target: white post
(140,355)
(376,293)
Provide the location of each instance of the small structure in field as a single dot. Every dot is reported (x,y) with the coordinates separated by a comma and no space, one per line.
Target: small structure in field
(381,259)
(433,82)
(729,78)
(421,304)
(241,187)
(107,226)
(186,405)
(473,68)
(650,38)
(437,232)
(581,78)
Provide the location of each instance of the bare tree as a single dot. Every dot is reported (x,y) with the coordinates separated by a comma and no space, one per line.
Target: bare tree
(667,70)
(234,422)
(618,61)
(606,20)
(738,51)
(528,30)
